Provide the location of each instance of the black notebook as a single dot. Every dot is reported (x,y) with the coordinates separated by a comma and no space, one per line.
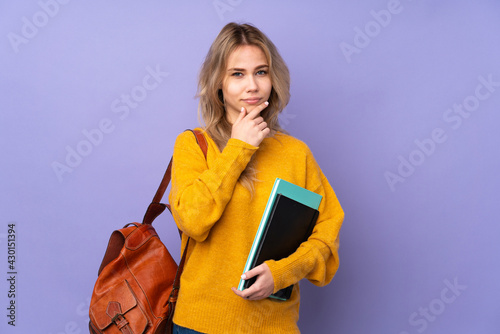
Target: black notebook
(290,223)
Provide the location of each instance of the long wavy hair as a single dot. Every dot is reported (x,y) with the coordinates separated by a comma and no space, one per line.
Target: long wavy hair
(211,100)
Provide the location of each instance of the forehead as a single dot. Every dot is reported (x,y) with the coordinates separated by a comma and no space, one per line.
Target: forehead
(246,56)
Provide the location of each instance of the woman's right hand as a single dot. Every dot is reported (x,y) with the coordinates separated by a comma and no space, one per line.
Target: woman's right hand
(250,127)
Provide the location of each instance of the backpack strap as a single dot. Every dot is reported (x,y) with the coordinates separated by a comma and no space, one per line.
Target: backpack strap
(202,142)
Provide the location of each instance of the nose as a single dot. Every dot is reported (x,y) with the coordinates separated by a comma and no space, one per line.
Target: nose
(252,85)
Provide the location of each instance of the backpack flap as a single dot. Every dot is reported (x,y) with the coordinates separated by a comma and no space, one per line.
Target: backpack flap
(108,311)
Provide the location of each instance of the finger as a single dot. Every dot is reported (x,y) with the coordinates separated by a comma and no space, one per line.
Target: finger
(242,114)
(254,293)
(245,294)
(238,292)
(252,273)
(258,120)
(262,126)
(256,111)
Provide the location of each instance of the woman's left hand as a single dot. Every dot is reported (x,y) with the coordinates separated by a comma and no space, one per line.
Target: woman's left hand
(262,288)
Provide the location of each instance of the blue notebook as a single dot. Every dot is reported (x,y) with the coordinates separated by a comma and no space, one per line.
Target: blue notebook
(288,220)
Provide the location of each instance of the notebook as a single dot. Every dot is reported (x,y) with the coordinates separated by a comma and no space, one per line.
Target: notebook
(288,220)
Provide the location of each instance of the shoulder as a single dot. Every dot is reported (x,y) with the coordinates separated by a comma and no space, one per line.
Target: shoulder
(292,144)
(298,153)
(187,138)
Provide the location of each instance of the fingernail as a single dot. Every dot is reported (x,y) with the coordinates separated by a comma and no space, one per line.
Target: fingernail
(266,103)
(242,109)
(243,276)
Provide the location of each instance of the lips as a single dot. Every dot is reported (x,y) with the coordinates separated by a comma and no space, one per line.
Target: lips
(252,100)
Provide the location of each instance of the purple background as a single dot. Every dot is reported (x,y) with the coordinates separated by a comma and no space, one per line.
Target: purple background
(65,66)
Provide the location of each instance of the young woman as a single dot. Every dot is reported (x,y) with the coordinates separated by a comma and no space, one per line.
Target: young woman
(218,201)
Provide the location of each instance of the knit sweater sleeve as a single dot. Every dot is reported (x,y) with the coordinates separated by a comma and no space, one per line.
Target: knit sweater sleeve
(317,258)
(201,190)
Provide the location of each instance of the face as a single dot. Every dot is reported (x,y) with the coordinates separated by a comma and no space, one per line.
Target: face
(246,82)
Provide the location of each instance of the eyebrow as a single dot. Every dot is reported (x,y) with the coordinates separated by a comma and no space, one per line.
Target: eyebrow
(243,70)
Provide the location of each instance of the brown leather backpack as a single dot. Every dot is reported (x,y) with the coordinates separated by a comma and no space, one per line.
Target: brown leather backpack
(138,280)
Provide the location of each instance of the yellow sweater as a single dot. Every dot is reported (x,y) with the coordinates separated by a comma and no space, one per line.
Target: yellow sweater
(221,217)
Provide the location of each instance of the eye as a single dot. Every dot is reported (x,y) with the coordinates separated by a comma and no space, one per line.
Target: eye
(262,72)
(237,74)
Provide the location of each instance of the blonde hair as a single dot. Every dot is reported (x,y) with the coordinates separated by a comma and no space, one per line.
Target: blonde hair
(211,104)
